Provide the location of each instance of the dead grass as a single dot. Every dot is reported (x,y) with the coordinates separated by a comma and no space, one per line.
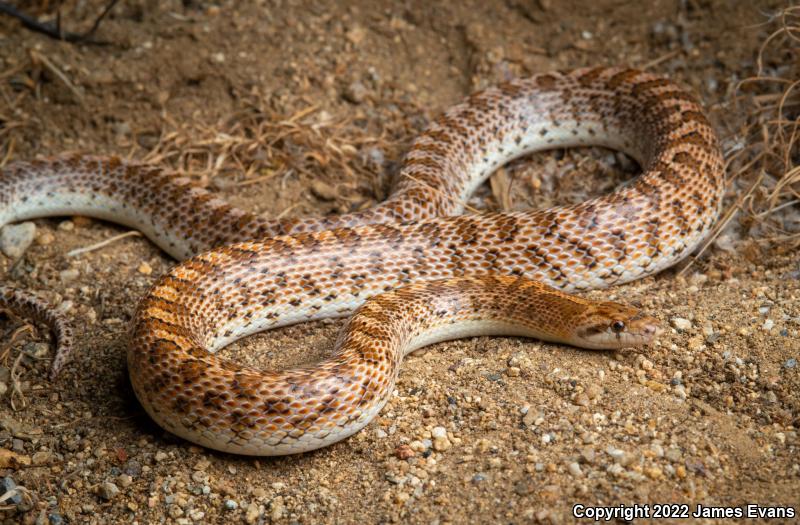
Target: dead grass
(768,158)
(259,145)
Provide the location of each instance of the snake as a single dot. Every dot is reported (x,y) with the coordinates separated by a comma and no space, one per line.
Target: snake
(410,271)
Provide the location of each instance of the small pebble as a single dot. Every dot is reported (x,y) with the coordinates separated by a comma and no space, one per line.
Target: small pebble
(404,452)
(276,509)
(768,324)
(231,505)
(145,269)
(252,513)
(355,93)
(15,238)
(7,485)
(653,472)
(36,350)
(124,480)
(681,324)
(790,363)
(107,491)
(45,238)
(439,432)
(575,469)
(418,446)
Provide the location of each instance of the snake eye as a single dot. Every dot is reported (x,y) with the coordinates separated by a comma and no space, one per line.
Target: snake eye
(617,327)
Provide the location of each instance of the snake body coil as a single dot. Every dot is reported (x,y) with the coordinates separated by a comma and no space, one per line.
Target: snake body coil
(437,275)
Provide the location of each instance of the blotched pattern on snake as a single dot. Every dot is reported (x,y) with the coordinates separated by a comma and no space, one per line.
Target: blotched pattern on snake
(439,274)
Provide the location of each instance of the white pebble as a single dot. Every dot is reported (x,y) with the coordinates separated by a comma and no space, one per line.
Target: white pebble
(681,324)
(438,432)
(575,469)
(15,239)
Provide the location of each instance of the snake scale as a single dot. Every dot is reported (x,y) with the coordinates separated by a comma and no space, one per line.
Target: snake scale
(431,273)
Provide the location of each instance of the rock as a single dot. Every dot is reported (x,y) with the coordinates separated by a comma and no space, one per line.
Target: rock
(696,344)
(355,93)
(45,238)
(175,511)
(107,491)
(441,444)
(768,324)
(483,445)
(36,350)
(594,391)
(653,472)
(582,400)
(418,446)
(12,460)
(404,452)
(439,432)
(252,513)
(679,323)
(145,269)
(15,238)
(575,469)
(790,363)
(124,480)
(161,456)
(530,418)
(276,509)
(42,457)
(69,275)
(7,485)
(231,505)
(133,468)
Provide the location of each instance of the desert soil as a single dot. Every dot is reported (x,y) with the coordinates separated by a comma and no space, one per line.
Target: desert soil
(485,430)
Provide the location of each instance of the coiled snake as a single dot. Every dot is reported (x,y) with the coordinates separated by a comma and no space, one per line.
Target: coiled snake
(433,274)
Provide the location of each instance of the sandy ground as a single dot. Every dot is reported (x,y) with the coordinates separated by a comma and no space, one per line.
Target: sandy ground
(708,416)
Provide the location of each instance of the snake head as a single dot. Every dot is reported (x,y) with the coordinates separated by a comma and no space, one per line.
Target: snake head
(609,326)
